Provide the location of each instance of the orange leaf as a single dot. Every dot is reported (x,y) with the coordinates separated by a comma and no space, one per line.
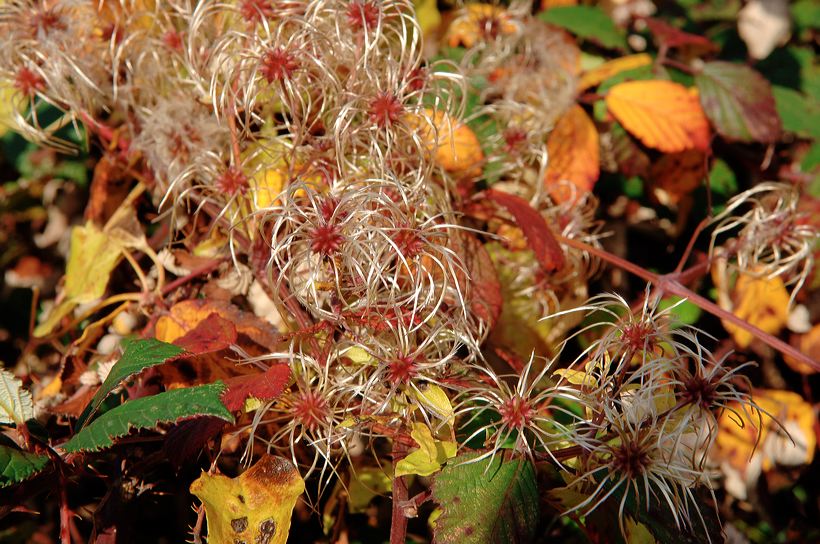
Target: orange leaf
(573,154)
(662,114)
(456,145)
(263,386)
(608,69)
(212,334)
(535,228)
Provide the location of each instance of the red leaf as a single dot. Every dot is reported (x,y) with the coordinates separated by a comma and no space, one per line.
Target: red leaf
(214,333)
(538,233)
(185,441)
(670,36)
(266,386)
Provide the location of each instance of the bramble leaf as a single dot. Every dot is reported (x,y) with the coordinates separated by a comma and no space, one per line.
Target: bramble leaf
(147,413)
(17,465)
(486,501)
(138,355)
(739,102)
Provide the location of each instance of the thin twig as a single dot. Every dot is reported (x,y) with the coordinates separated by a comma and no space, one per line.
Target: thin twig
(670,284)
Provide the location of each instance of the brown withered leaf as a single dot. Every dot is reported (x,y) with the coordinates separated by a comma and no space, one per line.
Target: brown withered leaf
(109,187)
(186,315)
(676,175)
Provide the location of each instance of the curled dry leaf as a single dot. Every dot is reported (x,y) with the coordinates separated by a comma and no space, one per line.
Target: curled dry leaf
(484,295)
(662,114)
(763,25)
(676,175)
(255,506)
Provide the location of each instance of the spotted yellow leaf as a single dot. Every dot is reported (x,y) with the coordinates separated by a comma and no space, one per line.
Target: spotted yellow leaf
(255,506)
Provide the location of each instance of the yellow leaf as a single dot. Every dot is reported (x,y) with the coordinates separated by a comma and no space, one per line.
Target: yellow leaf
(576,377)
(93,255)
(429,457)
(573,154)
(662,114)
(359,356)
(763,302)
(637,533)
(479,22)
(427,15)
(253,507)
(9,105)
(456,146)
(596,75)
(436,401)
(266,186)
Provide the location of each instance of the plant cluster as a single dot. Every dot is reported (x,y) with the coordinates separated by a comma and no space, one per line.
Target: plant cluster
(387,256)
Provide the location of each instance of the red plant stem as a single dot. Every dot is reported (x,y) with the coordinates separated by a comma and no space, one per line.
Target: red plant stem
(398,526)
(107,134)
(195,273)
(671,284)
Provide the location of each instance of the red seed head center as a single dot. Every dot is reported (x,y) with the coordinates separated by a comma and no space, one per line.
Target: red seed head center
(516,412)
(310,410)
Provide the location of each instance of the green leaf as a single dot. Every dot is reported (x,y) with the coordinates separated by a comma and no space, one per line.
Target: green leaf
(685,313)
(147,413)
(722,180)
(739,102)
(586,22)
(806,13)
(486,501)
(800,114)
(17,465)
(138,355)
